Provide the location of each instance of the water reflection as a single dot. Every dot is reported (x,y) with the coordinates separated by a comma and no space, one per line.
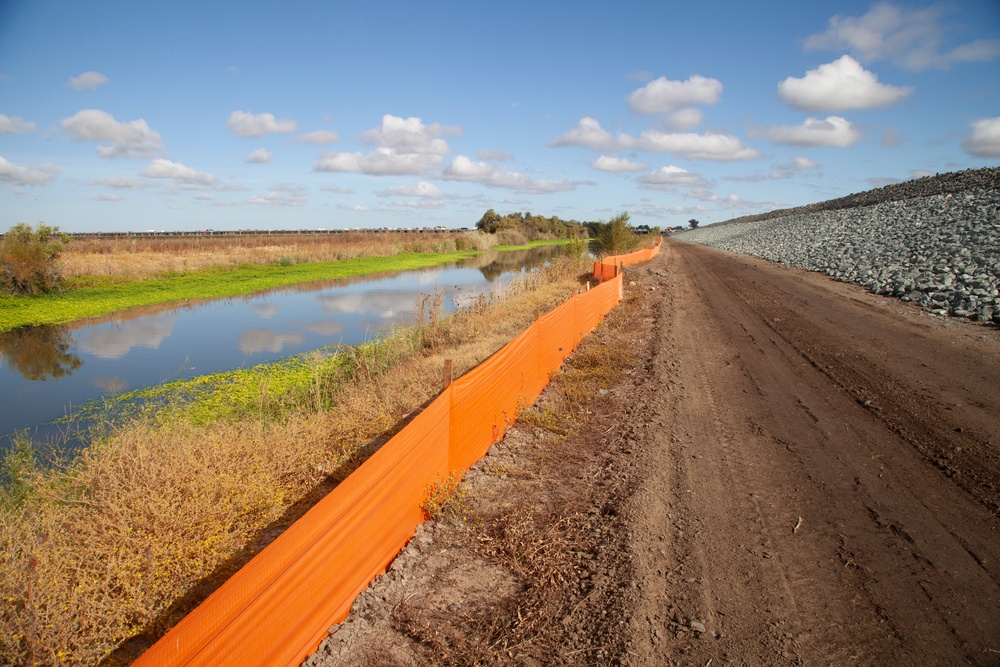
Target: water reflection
(39,353)
(89,359)
(116,342)
(262,340)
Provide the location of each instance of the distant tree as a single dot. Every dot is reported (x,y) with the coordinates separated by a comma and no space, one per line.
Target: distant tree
(693,224)
(616,236)
(489,222)
(29,259)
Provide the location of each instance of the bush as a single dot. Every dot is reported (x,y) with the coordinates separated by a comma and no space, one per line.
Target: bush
(28,259)
(616,236)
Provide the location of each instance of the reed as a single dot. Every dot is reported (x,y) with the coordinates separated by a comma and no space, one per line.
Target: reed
(160,507)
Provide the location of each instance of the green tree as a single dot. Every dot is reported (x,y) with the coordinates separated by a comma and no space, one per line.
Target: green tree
(693,224)
(616,236)
(29,258)
(489,222)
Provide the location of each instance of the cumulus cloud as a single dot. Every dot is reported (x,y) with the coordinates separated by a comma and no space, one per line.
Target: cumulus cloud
(616,165)
(833,131)
(707,146)
(797,164)
(122,183)
(281,194)
(259,156)
(319,137)
(87,81)
(838,86)
(983,139)
(379,162)
(464,169)
(910,38)
(131,139)
(666,178)
(663,95)
(406,146)
(177,172)
(494,156)
(410,135)
(14,125)
(588,133)
(336,189)
(245,124)
(684,119)
(18,175)
(422,189)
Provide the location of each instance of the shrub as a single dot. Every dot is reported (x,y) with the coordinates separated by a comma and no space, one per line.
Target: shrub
(28,259)
(616,236)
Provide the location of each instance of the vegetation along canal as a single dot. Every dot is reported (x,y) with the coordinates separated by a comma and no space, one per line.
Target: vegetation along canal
(46,373)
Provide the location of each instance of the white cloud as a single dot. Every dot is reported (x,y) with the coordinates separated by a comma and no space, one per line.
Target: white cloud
(833,131)
(18,175)
(177,172)
(319,137)
(282,194)
(259,156)
(708,146)
(405,147)
(122,183)
(588,133)
(109,197)
(14,125)
(464,169)
(87,81)
(663,95)
(380,162)
(420,204)
(245,124)
(838,86)
(616,165)
(422,189)
(665,178)
(131,139)
(410,135)
(797,164)
(685,119)
(336,189)
(983,140)
(494,156)
(910,38)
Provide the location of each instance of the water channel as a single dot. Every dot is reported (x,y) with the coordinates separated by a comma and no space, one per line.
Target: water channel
(47,372)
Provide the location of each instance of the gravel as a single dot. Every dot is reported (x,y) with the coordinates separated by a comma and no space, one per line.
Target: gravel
(940,251)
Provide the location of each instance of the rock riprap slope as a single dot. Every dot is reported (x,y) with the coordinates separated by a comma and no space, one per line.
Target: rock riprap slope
(941,252)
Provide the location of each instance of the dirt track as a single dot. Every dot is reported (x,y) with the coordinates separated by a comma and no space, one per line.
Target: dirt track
(798,472)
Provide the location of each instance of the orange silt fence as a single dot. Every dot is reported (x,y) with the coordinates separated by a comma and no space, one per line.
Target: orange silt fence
(279,606)
(610,266)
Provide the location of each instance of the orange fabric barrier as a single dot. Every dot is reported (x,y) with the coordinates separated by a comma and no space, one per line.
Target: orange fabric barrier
(607,268)
(279,607)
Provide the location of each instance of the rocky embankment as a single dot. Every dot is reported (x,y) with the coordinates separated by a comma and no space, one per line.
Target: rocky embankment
(940,251)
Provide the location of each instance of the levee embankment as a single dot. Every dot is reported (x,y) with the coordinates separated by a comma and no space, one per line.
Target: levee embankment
(933,241)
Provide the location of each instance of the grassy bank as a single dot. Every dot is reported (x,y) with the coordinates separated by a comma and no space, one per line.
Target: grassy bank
(93,295)
(90,556)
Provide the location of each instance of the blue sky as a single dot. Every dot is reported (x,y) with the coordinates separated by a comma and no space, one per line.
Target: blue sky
(127,116)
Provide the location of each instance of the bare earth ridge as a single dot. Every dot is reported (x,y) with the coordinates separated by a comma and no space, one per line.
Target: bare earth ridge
(789,471)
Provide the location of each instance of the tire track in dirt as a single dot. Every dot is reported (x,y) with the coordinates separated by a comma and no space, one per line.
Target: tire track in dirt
(807,509)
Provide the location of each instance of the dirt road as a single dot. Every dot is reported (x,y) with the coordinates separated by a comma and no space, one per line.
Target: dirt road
(792,472)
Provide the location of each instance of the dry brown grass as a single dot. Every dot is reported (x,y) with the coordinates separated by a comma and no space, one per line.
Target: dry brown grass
(139,257)
(536,519)
(126,537)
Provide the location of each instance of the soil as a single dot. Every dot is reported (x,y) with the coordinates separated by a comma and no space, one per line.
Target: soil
(781,470)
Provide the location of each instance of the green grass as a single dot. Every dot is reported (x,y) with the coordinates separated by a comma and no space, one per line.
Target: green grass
(101,296)
(532,244)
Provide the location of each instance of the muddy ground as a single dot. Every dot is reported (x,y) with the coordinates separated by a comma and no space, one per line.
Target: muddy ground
(747,464)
